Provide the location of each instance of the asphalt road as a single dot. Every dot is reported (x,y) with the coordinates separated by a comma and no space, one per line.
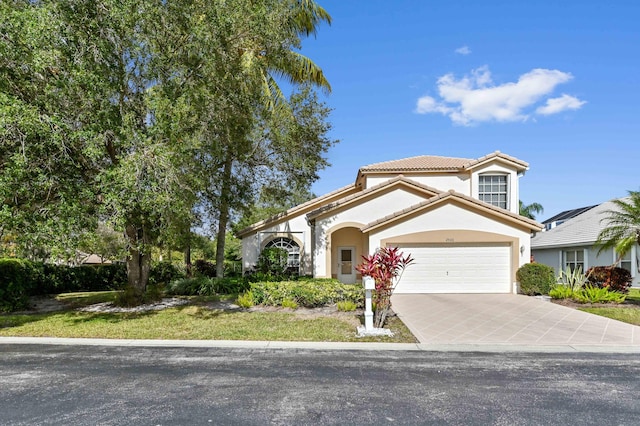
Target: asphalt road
(86,385)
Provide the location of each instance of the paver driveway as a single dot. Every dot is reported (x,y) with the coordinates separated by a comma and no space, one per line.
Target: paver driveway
(506,319)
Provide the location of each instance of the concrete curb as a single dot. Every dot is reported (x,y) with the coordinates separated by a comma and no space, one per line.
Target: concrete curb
(347,346)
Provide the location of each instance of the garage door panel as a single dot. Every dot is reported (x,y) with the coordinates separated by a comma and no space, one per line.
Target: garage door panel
(457,269)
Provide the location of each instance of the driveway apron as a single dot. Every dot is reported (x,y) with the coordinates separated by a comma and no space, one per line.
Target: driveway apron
(506,319)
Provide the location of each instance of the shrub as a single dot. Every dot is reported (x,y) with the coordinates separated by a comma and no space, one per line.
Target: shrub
(17,278)
(204,268)
(560,291)
(591,294)
(610,277)
(307,293)
(535,278)
(289,303)
(273,260)
(573,279)
(162,273)
(205,286)
(245,300)
(346,306)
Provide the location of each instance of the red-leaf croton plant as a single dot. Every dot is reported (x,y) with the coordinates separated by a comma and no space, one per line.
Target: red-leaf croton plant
(385,266)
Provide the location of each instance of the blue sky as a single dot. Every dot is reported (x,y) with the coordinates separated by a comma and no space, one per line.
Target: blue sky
(554,83)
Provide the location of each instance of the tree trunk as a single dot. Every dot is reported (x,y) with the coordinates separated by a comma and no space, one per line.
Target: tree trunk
(138,262)
(187,259)
(223,219)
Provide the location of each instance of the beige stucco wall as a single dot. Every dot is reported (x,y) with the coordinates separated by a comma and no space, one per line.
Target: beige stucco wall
(356,216)
(346,237)
(498,168)
(295,228)
(452,223)
(443,182)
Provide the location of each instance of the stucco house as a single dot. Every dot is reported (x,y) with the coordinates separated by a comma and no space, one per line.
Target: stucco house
(572,244)
(458,218)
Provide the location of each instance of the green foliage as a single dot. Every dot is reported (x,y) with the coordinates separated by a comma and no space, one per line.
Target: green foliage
(206,286)
(574,279)
(289,303)
(346,306)
(245,300)
(204,268)
(561,291)
(17,279)
(622,229)
(162,273)
(610,277)
(535,278)
(273,261)
(20,279)
(307,293)
(591,294)
(530,210)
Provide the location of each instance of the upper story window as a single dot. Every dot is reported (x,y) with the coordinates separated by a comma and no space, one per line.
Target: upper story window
(494,190)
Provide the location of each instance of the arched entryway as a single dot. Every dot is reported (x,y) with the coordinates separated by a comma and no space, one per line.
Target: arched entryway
(348,244)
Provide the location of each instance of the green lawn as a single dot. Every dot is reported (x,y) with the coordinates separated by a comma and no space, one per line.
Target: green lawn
(629,315)
(189,322)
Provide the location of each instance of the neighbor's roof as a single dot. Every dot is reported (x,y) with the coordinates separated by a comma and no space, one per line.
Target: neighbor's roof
(568,214)
(579,230)
(435,163)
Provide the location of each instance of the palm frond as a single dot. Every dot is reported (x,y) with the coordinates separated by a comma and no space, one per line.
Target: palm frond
(307,15)
(299,69)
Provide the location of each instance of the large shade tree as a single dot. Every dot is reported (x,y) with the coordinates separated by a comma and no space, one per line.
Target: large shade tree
(622,229)
(118,110)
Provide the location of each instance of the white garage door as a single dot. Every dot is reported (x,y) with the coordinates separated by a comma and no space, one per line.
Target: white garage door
(457,269)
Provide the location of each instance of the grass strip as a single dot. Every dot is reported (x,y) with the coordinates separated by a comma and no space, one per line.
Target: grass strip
(194,323)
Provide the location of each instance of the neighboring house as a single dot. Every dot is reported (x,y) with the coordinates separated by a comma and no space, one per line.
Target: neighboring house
(571,244)
(561,218)
(457,217)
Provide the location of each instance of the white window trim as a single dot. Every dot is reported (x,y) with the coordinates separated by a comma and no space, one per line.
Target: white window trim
(563,260)
(632,258)
(507,180)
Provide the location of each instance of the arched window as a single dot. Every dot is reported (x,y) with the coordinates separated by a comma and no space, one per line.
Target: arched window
(290,246)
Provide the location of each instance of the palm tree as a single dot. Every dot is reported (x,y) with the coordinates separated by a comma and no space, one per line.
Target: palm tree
(623,226)
(297,69)
(530,210)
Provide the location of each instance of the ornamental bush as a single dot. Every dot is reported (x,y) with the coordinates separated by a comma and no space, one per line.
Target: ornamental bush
(535,278)
(307,293)
(609,277)
(17,279)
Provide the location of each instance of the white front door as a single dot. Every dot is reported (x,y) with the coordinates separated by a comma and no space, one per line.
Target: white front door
(346,266)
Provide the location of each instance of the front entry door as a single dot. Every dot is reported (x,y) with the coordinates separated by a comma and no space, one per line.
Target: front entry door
(346,266)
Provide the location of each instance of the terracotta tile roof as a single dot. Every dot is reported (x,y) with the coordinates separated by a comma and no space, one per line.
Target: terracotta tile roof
(341,202)
(449,194)
(300,207)
(421,162)
(436,163)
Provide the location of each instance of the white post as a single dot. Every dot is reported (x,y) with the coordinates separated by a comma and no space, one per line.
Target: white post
(369,284)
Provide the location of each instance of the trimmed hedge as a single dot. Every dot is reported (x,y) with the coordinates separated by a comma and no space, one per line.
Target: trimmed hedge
(308,293)
(535,278)
(612,278)
(18,278)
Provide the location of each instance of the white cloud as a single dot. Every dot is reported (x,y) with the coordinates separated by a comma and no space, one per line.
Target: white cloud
(475,98)
(464,50)
(563,103)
